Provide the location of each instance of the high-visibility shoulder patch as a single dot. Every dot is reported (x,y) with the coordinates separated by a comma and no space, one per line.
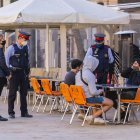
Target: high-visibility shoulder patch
(93,46)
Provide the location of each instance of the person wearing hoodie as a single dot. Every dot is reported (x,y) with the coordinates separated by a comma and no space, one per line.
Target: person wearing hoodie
(4,71)
(76,65)
(87,81)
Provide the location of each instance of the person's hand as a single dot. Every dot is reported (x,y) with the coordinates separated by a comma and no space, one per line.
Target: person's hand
(101,91)
(9,77)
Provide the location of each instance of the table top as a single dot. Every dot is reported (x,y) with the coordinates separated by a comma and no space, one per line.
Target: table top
(41,77)
(117,86)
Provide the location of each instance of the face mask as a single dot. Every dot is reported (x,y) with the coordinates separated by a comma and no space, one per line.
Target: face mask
(74,70)
(3,42)
(135,68)
(24,43)
(99,45)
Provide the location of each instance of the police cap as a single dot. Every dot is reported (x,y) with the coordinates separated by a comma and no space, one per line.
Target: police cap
(99,37)
(24,35)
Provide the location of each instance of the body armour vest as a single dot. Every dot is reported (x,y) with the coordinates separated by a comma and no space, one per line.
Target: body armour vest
(102,55)
(20,57)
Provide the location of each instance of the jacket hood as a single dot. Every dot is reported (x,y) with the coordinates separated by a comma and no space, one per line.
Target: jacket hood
(91,63)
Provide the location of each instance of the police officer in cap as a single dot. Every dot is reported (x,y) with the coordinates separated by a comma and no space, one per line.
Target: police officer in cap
(17,59)
(103,53)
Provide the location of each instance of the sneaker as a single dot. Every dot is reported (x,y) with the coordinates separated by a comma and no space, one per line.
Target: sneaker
(107,121)
(90,119)
(99,121)
(81,116)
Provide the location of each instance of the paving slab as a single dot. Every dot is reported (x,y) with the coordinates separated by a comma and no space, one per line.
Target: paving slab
(49,127)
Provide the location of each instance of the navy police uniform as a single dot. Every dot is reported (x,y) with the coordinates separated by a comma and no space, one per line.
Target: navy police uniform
(102,53)
(17,59)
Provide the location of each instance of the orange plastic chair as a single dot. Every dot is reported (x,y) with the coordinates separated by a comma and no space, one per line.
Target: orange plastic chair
(132,102)
(52,95)
(67,96)
(38,92)
(80,99)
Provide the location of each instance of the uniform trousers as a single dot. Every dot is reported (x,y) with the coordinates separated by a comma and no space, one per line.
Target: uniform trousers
(18,79)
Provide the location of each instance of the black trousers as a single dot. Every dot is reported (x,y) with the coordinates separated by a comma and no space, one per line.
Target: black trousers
(18,80)
(113,96)
(102,78)
(3,81)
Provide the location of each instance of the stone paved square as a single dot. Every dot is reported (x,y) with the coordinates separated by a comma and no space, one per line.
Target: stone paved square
(45,126)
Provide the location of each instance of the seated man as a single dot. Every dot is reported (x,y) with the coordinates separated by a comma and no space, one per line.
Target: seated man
(87,81)
(70,76)
(70,79)
(133,75)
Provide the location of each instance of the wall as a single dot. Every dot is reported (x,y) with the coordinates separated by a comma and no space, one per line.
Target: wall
(6,2)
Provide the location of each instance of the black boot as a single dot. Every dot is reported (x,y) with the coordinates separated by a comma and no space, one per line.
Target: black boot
(12,115)
(26,115)
(123,116)
(3,119)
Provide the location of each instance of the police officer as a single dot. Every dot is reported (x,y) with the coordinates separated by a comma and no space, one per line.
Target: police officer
(104,55)
(17,59)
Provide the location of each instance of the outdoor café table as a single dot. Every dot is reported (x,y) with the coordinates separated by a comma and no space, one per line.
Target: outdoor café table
(119,89)
(50,79)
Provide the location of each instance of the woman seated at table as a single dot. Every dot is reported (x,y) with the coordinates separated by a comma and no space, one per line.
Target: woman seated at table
(87,82)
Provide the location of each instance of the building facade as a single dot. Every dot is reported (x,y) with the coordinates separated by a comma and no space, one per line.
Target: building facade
(114,2)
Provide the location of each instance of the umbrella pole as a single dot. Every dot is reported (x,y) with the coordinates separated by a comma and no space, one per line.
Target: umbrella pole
(63,51)
(36,47)
(47,48)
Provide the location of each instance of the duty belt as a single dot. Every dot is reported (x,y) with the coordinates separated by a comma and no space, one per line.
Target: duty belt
(16,69)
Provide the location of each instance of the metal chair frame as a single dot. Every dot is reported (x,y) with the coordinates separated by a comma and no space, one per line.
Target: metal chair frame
(89,107)
(130,110)
(39,95)
(52,98)
(67,104)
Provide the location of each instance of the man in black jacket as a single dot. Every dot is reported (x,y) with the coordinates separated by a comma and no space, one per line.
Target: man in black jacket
(4,71)
(133,73)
